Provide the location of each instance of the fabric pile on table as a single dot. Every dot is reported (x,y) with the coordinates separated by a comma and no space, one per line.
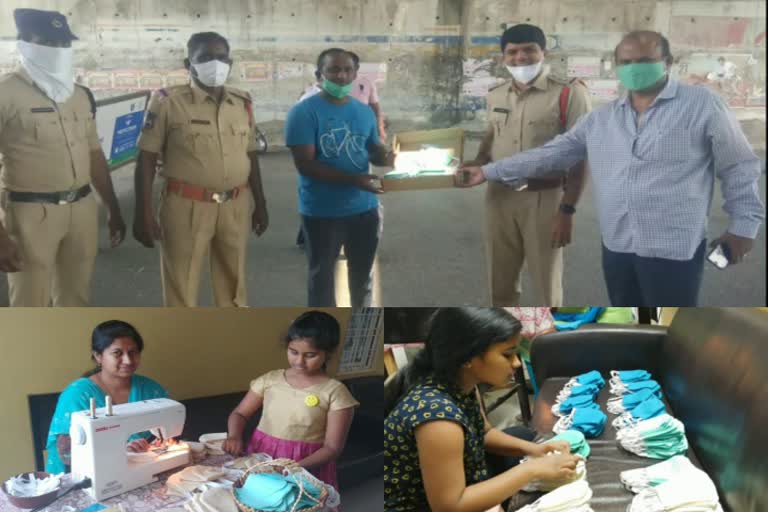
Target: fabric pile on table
(192,478)
(661,437)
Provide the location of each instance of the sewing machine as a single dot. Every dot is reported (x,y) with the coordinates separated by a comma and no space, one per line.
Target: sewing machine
(100,438)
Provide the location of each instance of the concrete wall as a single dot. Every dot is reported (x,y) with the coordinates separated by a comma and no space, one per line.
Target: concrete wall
(433,60)
(582,36)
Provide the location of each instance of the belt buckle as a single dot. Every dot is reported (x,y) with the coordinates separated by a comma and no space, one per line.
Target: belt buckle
(220,197)
(68,197)
(518,185)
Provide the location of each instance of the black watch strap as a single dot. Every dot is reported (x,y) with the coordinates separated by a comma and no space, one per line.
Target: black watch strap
(568,209)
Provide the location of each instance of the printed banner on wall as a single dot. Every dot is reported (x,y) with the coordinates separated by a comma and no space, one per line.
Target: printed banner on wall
(583,67)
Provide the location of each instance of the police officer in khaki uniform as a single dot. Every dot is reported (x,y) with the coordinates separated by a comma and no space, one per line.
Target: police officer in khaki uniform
(532,221)
(51,159)
(205,133)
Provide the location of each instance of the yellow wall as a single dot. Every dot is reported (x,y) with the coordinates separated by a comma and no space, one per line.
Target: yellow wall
(191,352)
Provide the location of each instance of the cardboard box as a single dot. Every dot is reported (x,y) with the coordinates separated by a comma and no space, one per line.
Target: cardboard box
(447,138)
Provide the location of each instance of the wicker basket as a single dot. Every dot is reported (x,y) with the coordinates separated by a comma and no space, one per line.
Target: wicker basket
(283,467)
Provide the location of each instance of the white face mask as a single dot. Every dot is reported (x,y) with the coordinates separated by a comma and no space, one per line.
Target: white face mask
(50,68)
(525,74)
(213,73)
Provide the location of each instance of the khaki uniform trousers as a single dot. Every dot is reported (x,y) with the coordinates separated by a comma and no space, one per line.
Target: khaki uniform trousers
(58,245)
(190,231)
(519,231)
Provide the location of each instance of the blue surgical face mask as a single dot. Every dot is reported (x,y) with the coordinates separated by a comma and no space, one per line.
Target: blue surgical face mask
(649,409)
(566,406)
(590,421)
(634,387)
(630,375)
(645,410)
(592,377)
(622,404)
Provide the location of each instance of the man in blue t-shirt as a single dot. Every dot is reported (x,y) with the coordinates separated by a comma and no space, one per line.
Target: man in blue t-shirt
(334,138)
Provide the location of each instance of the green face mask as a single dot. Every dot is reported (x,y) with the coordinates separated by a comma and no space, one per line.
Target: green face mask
(640,75)
(336,90)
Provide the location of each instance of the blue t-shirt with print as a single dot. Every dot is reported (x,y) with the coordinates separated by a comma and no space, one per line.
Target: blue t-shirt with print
(341,135)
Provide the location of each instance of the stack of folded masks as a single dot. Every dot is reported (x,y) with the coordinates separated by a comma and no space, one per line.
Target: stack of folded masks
(677,467)
(661,437)
(575,404)
(632,381)
(551,485)
(573,497)
(273,492)
(589,383)
(645,410)
(628,401)
(675,485)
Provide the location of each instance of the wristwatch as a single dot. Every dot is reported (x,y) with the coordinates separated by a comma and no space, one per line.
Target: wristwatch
(567,209)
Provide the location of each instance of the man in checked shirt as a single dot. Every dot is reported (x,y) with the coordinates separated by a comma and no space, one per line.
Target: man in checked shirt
(654,154)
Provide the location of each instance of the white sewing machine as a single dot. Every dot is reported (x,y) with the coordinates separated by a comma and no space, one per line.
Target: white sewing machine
(100,438)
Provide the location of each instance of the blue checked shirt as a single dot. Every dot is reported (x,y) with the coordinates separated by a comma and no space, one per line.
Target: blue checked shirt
(654,180)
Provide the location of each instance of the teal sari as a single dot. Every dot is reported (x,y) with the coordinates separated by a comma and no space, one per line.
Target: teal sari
(76,397)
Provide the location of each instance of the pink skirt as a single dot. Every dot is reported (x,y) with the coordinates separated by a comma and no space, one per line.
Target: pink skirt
(296,450)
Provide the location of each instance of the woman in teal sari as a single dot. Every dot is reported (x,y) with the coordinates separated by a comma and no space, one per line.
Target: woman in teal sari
(116,348)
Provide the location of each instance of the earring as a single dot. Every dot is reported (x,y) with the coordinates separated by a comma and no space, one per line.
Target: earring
(467,365)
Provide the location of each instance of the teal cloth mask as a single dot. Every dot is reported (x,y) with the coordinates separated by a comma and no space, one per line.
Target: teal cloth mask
(639,76)
(336,90)
(579,444)
(270,492)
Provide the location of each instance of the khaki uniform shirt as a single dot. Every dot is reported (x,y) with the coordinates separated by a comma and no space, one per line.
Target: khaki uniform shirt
(46,147)
(525,120)
(202,142)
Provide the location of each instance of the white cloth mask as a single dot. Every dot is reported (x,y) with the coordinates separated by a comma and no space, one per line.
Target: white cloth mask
(573,497)
(695,493)
(50,68)
(676,468)
(525,74)
(213,73)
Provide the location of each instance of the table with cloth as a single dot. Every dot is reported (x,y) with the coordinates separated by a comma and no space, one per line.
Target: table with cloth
(149,498)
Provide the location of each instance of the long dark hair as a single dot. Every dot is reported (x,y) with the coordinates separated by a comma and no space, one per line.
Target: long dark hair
(455,336)
(106,333)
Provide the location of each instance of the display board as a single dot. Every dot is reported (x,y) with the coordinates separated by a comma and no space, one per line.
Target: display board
(119,120)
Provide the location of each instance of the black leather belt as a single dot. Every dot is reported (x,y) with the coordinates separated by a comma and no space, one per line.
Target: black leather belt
(66,197)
